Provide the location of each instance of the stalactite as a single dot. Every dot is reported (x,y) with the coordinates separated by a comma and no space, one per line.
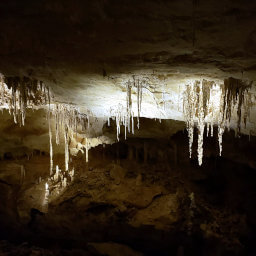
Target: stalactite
(235,93)
(125,125)
(50,142)
(193,106)
(200,125)
(17,94)
(132,124)
(86,151)
(117,118)
(189,107)
(124,115)
(57,128)
(66,139)
(221,120)
(138,84)
(122,118)
(211,103)
(205,103)
(197,105)
(67,120)
(211,128)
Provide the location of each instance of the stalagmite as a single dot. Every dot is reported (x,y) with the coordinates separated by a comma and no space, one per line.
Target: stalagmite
(130,152)
(46,198)
(22,174)
(64,182)
(72,174)
(145,150)
(56,175)
(136,154)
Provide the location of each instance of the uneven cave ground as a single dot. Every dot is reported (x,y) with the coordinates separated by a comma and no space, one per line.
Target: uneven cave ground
(140,196)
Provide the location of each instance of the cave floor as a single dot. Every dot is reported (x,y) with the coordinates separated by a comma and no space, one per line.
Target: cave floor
(127,207)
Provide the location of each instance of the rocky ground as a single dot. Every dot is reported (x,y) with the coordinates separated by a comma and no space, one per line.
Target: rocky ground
(127,203)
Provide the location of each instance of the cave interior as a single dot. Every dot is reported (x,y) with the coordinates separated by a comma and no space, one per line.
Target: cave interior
(128,128)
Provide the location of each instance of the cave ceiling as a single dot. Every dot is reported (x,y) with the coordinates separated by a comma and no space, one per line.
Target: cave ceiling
(85,50)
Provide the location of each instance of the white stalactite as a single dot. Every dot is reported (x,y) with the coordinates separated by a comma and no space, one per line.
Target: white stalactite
(200,124)
(50,141)
(66,139)
(132,124)
(139,99)
(212,129)
(86,151)
(189,107)
(17,94)
(221,122)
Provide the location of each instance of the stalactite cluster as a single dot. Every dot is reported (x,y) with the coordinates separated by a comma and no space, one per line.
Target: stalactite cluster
(236,94)
(67,120)
(206,103)
(124,115)
(19,93)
